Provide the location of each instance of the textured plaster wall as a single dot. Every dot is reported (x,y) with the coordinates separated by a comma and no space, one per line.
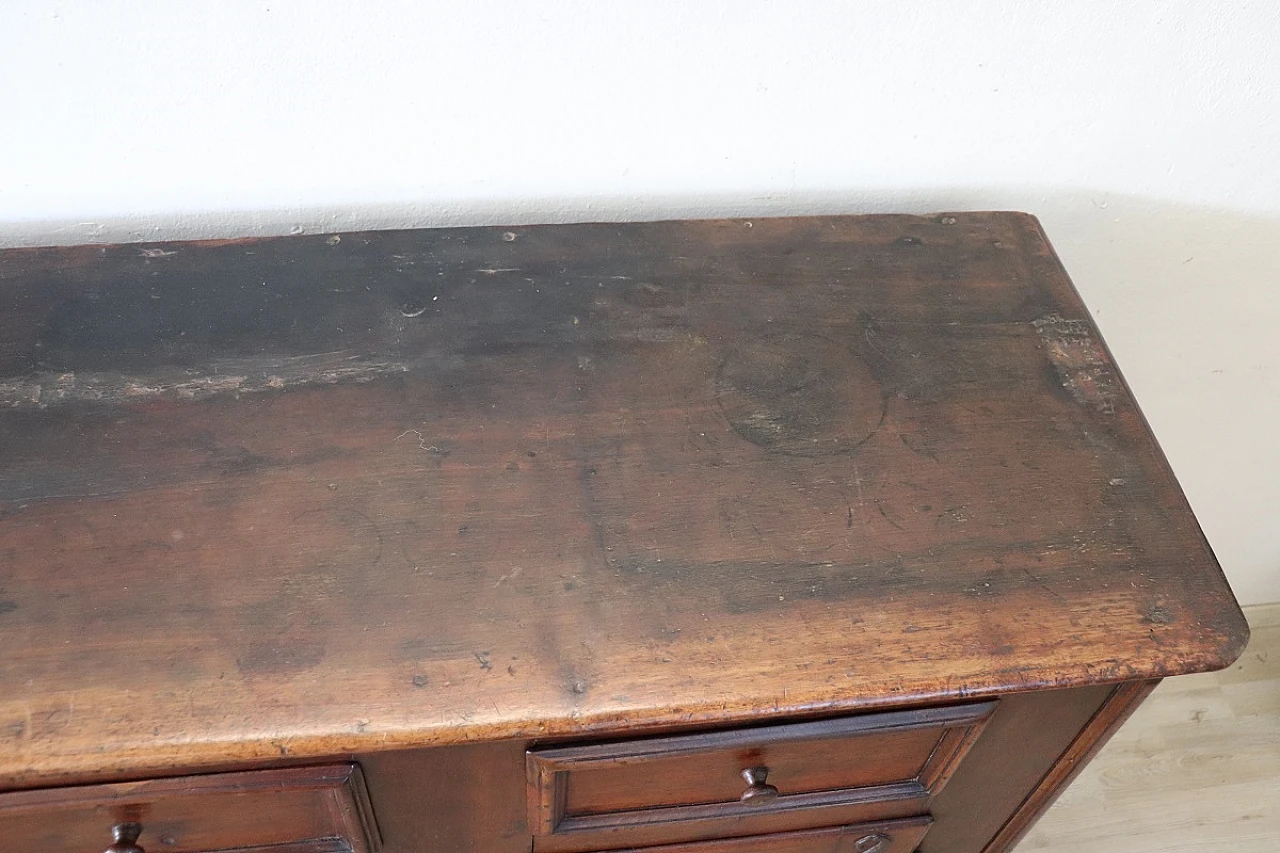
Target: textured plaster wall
(1146,135)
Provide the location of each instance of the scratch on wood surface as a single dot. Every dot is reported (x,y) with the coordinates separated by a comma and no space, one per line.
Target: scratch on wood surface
(514,573)
(422,442)
(229,376)
(1079,360)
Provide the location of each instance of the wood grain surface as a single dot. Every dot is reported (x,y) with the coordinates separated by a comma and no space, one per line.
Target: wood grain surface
(299,497)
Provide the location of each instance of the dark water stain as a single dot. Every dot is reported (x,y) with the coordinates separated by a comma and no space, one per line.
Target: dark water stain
(287,633)
(282,656)
(388,292)
(241,461)
(800,395)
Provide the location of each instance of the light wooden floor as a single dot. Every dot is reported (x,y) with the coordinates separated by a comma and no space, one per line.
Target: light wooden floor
(1195,769)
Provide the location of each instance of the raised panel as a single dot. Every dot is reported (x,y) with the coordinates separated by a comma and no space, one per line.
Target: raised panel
(873,758)
(295,810)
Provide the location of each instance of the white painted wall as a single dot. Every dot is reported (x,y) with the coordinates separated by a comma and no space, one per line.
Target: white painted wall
(1146,135)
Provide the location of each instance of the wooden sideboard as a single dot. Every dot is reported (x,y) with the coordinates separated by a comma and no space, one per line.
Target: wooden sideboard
(814,535)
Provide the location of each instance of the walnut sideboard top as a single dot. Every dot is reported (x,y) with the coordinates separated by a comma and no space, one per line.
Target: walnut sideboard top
(314,496)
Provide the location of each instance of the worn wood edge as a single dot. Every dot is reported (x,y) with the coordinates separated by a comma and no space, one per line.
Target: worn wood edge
(19,770)
(1117,708)
(626,751)
(36,252)
(1238,633)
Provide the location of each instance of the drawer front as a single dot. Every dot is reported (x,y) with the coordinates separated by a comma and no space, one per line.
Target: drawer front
(897,836)
(899,759)
(298,810)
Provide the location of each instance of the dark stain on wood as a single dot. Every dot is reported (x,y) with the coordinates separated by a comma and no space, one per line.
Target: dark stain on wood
(800,394)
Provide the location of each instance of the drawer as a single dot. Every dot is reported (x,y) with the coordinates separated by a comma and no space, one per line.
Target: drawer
(845,770)
(897,836)
(298,810)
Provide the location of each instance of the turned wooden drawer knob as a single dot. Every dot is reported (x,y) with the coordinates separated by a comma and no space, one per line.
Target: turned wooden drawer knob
(758,791)
(877,843)
(126,838)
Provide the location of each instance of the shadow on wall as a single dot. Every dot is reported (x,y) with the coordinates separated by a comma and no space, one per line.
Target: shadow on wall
(1187,297)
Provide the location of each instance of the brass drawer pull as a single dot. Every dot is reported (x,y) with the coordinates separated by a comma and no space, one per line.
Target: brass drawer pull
(877,843)
(758,791)
(126,838)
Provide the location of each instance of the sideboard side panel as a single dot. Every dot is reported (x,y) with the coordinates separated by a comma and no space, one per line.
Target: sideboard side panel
(1021,748)
(1122,702)
(456,799)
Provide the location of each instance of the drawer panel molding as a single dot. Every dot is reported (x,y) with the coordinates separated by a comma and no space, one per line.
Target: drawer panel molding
(294,810)
(896,836)
(872,758)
